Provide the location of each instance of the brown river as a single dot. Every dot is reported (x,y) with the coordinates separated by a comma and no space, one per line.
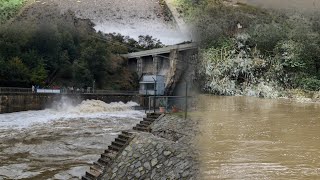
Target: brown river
(251,138)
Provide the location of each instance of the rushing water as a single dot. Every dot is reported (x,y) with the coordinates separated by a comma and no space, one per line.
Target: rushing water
(60,142)
(251,138)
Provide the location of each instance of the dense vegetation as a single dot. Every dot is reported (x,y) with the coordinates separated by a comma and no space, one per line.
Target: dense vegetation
(9,8)
(252,51)
(60,54)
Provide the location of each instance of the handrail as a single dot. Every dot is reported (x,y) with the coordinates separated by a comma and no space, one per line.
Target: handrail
(15,90)
(62,91)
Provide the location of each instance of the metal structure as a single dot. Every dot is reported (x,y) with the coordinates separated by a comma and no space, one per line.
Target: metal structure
(182,103)
(14,90)
(152,85)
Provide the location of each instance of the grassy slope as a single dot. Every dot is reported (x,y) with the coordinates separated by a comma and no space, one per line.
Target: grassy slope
(9,8)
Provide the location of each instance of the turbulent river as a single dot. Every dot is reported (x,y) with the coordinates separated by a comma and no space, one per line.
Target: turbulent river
(60,142)
(251,138)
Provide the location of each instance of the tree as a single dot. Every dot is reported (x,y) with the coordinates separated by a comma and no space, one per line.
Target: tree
(95,56)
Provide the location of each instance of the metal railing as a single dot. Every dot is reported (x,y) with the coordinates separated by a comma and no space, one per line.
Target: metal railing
(15,90)
(171,103)
(62,91)
(115,92)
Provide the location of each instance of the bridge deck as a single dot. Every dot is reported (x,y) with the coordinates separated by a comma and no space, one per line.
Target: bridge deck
(181,47)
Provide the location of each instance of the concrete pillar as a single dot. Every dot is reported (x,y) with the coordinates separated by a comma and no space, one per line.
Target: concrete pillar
(156,62)
(139,66)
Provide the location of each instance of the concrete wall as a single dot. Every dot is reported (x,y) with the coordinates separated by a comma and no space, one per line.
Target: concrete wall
(12,102)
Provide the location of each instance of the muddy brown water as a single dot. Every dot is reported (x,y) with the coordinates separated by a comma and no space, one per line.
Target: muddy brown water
(60,143)
(251,138)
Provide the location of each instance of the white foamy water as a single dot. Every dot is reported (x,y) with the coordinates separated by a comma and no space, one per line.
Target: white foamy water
(62,141)
(64,110)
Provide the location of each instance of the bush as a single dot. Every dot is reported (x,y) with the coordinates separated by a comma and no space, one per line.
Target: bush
(9,8)
(310,83)
(281,50)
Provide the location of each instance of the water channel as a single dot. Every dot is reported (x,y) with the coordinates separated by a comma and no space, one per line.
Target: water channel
(251,138)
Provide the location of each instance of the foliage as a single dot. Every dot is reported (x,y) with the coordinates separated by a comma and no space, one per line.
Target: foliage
(310,83)
(61,54)
(126,44)
(8,9)
(252,51)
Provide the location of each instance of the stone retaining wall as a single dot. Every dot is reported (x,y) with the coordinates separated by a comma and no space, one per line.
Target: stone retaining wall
(165,153)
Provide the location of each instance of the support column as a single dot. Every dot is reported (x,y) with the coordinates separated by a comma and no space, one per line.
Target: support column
(139,66)
(156,61)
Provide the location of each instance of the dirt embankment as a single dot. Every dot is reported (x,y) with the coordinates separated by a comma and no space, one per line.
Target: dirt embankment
(131,17)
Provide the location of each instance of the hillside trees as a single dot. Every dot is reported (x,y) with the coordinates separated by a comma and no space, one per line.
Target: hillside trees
(61,54)
(281,49)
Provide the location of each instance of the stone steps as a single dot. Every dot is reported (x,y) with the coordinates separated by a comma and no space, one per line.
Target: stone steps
(149,119)
(104,161)
(123,136)
(97,164)
(116,147)
(98,168)
(153,115)
(92,174)
(145,124)
(121,140)
(141,129)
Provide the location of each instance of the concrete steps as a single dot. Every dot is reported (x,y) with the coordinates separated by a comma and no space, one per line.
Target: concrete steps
(146,123)
(98,168)
(153,115)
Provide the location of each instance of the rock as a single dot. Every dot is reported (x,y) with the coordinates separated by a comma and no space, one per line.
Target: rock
(138,164)
(185,173)
(137,175)
(159,146)
(147,166)
(115,170)
(140,168)
(153,173)
(154,162)
(120,164)
(113,175)
(124,153)
(166,153)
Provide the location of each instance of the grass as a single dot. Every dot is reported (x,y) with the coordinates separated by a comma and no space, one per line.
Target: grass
(9,8)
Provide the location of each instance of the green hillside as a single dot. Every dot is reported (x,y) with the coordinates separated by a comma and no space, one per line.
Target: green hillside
(9,8)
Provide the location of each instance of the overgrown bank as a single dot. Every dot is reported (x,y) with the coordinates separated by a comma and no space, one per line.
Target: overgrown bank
(256,52)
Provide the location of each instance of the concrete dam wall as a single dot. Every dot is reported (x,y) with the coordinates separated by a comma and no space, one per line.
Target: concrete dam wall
(15,102)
